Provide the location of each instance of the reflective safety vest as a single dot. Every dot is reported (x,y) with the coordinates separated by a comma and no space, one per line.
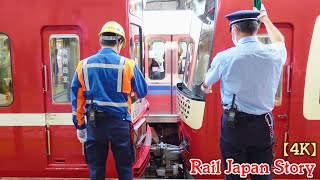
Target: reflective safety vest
(107,80)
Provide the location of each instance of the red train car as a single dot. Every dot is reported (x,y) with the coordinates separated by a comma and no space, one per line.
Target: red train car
(166,39)
(297,108)
(41,42)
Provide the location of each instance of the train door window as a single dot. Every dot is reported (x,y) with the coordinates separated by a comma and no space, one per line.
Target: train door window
(136,45)
(64,57)
(182,55)
(6,88)
(264,38)
(156,61)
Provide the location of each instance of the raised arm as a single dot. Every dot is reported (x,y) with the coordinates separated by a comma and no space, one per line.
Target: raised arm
(273,32)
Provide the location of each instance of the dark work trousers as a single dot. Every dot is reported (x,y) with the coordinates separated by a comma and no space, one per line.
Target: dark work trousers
(115,131)
(249,142)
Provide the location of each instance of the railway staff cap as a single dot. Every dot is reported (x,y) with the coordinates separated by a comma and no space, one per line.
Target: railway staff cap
(243,15)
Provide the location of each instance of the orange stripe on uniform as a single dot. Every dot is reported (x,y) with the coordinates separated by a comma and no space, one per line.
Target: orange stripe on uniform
(126,82)
(80,75)
(127,76)
(79,112)
(80,96)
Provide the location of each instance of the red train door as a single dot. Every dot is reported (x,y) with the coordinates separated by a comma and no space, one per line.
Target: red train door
(281,109)
(61,54)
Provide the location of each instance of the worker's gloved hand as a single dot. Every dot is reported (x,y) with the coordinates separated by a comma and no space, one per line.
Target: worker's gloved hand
(82,135)
(263,12)
(206,89)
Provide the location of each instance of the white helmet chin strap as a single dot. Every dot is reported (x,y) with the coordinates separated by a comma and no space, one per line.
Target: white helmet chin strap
(120,44)
(119,47)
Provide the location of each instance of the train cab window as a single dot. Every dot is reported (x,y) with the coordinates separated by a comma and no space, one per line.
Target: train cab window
(156,61)
(6,88)
(188,63)
(136,44)
(64,57)
(136,47)
(182,55)
(203,56)
(264,38)
(201,33)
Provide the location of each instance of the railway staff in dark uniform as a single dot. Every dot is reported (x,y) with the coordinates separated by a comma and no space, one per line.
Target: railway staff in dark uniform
(103,82)
(249,75)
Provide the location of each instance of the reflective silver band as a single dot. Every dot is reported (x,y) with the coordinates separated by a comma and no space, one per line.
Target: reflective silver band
(85,74)
(119,66)
(110,38)
(100,65)
(103,103)
(119,83)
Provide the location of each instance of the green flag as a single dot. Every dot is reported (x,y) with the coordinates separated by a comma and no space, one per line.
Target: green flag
(257,4)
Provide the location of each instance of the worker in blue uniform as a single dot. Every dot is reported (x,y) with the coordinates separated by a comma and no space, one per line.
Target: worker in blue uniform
(249,75)
(101,90)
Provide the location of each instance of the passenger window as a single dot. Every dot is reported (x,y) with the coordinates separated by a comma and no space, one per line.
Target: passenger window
(156,61)
(264,38)
(64,57)
(182,55)
(6,88)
